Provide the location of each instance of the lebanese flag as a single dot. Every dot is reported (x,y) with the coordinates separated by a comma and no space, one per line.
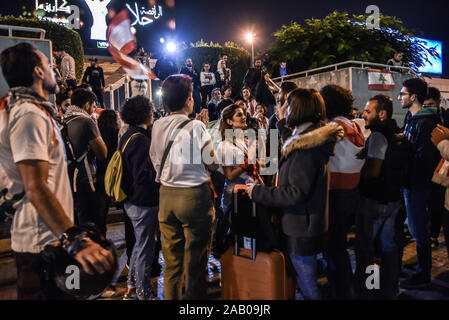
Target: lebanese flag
(121,43)
(380,80)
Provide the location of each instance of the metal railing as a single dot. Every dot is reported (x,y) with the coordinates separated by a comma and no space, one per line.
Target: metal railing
(112,88)
(361,64)
(18,28)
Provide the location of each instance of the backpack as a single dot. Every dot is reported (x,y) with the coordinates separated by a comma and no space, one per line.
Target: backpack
(74,163)
(114,174)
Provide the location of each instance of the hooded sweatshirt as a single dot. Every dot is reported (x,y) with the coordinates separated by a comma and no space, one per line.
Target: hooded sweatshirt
(425,156)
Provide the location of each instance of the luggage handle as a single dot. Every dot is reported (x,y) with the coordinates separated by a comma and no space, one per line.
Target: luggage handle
(237,188)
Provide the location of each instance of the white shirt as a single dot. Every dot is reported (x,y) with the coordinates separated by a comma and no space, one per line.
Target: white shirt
(29,136)
(207,78)
(139,88)
(184,167)
(67,67)
(231,155)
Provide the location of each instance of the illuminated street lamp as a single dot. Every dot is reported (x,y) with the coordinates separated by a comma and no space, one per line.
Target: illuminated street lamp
(171,47)
(250,38)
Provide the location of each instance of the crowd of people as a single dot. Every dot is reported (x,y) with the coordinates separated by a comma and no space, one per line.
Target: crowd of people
(179,169)
(213,79)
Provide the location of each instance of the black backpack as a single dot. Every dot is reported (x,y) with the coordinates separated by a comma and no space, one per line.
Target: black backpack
(394,173)
(395,169)
(72,161)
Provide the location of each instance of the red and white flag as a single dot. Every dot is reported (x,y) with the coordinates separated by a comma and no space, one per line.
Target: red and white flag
(380,80)
(122,42)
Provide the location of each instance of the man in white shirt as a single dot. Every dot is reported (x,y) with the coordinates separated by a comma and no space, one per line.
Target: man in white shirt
(67,68)
(186,212)
(32,154)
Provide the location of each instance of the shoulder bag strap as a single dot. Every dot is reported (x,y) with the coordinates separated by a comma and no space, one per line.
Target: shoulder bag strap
(170,143)
(129,139)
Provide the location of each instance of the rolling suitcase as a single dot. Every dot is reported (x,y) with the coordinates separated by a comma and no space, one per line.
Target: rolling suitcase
(250,275)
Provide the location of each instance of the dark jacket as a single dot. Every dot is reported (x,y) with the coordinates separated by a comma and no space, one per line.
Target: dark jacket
(303,188)
(94,76)
(194,75)
(165,67)
(426,156)
(387,187)
(138,180)
(252,78)
(264,95)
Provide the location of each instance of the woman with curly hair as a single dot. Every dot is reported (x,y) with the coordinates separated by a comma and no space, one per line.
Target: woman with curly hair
(138,183)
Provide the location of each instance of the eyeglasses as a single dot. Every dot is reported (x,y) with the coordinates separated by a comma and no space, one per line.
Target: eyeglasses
(403,94)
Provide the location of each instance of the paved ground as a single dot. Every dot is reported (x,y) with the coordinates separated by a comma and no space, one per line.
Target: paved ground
(439,290)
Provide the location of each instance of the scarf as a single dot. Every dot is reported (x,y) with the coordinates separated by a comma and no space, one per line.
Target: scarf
(74,111)
(20,95)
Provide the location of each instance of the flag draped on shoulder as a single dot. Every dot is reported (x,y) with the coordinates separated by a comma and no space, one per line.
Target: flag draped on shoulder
(121,43)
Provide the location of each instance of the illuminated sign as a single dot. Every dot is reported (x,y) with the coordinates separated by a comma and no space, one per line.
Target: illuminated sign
(72,21)
(89,19)
(99,12)
(53,8)
(435,64)
(144,17)
(102,44)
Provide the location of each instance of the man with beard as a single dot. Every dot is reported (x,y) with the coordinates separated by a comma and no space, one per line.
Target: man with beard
(377,223)
(32,154)
(253,75)
(423,162)
(397,61)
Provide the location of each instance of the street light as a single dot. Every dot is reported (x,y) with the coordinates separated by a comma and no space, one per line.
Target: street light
(250,38)
(171,47)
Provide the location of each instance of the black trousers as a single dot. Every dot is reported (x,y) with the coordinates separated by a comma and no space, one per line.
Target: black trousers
(99,93)
(90,207)
(205,92)
(32,282)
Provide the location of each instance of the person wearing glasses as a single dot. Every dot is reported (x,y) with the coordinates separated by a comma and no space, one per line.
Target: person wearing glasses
(423,162)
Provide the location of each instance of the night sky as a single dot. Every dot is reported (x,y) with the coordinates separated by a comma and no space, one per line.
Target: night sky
(220,21)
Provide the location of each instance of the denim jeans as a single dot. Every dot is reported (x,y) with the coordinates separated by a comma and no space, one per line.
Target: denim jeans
(418,224)
(342,209)
(144,220)
(305,267)
(378,240)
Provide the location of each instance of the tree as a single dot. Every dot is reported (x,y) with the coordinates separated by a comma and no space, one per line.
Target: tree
(60,36)
(338,38)
(202,52)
